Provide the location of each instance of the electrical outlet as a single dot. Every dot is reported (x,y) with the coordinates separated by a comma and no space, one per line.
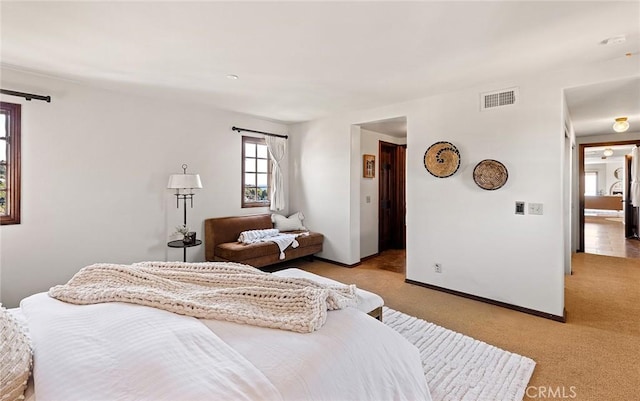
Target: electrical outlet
(368,199)
(438,267)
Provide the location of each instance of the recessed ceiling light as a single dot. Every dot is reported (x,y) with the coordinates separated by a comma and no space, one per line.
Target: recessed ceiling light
(608,152)
(614,40)
(621,124)
(232,76)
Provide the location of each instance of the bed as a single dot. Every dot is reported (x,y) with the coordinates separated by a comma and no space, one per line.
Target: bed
(123,351)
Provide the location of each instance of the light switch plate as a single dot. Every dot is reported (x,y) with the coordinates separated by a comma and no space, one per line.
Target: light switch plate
(519,207)
(535,208)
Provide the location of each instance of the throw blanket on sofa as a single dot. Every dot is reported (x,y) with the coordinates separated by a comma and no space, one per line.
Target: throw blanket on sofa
(214,290)
(251,236)
(283,240)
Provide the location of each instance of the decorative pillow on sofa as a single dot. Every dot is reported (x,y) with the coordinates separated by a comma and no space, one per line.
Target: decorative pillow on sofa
(291,223)
(15,358)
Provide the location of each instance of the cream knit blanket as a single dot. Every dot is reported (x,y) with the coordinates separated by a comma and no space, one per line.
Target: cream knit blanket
(212,290)
(251,236)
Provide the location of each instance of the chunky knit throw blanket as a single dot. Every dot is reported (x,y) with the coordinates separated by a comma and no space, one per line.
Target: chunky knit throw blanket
(251,236)
(213,290)
(282,240)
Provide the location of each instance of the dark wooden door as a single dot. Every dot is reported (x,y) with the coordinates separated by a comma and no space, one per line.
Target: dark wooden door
(630,228)
(391,189)
(386,196)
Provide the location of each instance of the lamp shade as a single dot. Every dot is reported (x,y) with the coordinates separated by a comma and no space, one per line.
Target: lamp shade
(184,181)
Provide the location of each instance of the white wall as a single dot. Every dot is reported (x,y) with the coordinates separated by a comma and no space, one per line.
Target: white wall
(485,249)
(605,170)
(369,145)
(601,170)
(95,166)
(610,178)
(321,184)
(567,199)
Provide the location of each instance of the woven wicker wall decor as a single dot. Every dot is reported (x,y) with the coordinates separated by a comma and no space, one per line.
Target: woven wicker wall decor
(442,159)
(490,174)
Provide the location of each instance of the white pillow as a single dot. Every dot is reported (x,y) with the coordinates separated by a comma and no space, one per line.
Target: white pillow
(15,358)
(291,223)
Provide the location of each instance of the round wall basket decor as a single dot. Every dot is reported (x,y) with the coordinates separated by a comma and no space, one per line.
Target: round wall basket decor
(490,174)
(442,159)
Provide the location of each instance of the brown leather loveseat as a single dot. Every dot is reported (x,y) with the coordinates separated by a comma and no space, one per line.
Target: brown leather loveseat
(221,242)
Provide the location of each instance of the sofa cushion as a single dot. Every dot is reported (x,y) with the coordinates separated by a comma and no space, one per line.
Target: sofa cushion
(293,222)
(237,251)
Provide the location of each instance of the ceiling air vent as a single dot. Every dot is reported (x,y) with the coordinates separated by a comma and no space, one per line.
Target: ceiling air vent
(504,97)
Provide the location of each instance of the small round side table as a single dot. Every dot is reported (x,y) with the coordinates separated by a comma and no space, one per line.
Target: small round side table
(180,244)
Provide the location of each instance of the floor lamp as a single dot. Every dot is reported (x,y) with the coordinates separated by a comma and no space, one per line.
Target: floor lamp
(184,185)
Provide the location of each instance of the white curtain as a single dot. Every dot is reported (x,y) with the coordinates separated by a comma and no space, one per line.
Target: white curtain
(635,177)
(277,147)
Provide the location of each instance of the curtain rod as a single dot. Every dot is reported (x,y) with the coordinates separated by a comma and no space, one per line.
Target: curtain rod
(27,96)
(259,132)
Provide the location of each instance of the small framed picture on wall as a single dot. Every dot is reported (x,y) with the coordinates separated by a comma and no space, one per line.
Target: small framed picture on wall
(368,166)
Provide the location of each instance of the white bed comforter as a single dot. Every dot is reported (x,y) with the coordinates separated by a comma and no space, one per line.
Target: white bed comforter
(353,357)
(117,351)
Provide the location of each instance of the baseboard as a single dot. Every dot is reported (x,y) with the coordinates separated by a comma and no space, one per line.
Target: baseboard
(369,257)
(333,262)
(534,312)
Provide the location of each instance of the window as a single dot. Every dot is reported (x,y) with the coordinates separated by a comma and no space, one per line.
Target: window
(9,163)
(256,172)
(591,183)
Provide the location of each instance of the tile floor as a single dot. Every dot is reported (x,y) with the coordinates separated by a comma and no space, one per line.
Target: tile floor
(604,235)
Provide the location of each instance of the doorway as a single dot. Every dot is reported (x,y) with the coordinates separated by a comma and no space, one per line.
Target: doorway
(382,142)
(391,202)
(591,111)
(608,222)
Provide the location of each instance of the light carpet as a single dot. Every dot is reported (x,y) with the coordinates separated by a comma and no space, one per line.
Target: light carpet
(460,368)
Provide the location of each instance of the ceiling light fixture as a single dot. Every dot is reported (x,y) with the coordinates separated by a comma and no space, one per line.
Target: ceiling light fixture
(608,152)
(621,124)
(232,76)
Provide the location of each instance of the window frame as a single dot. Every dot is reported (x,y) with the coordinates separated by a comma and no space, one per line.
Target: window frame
(246,204)
(591,173)
(13,129)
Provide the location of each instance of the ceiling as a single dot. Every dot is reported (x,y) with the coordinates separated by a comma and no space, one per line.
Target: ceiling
(396,127)
(594,108)
(594,154)
(298,61)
